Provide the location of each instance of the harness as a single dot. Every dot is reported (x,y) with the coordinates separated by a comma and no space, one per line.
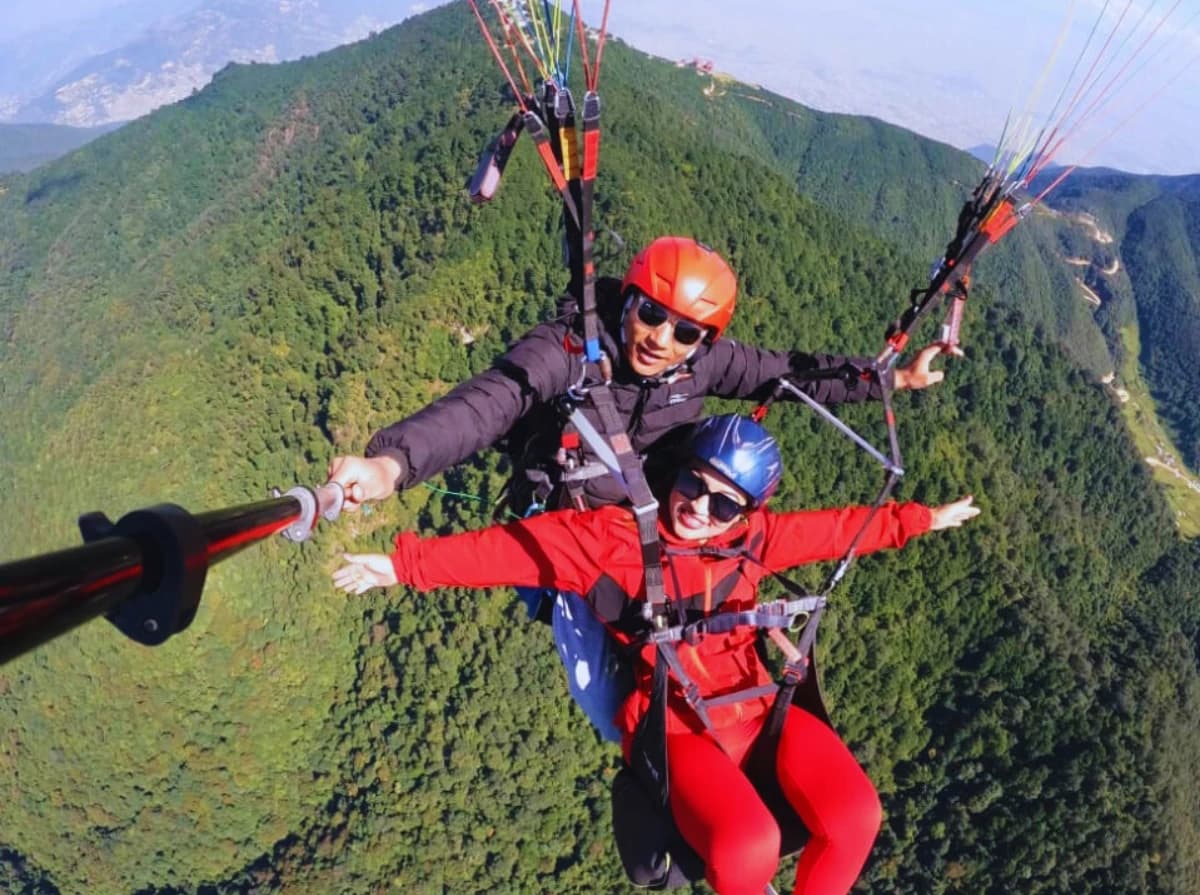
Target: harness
(799,613)
(654,853)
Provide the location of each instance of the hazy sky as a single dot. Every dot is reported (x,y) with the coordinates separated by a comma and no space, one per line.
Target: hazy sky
(20,16)
(950,69)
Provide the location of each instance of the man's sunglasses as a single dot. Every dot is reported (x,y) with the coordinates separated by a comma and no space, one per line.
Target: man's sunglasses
(721,506)
(655,315)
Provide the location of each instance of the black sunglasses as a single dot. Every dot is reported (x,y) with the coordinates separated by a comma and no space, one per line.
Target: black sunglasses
(721,506)
(655,315)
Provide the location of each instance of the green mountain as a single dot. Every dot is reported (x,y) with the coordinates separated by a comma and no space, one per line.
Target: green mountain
(25,146)
(1149,231)
(221,296)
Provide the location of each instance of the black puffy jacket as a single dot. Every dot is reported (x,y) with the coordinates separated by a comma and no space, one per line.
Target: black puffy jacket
(515,402)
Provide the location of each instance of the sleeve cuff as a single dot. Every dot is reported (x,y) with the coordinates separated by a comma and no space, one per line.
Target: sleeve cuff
(376,450)
(404,558)
(915,519)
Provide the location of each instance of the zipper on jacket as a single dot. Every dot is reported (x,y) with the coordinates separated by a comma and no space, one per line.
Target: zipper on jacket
(639,407)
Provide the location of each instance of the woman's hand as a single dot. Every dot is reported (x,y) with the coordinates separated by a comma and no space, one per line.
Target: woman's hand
(364,571)
(952,515)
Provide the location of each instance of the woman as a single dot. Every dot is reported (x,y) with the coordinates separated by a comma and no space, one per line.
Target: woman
(716,502)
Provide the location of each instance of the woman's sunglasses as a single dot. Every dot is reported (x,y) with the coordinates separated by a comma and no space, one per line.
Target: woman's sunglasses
(721,506)
(655,315)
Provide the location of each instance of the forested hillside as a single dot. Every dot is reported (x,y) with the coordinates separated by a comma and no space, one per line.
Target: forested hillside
(223,295)
(1154,284)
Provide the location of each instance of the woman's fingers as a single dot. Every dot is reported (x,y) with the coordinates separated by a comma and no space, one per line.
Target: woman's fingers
(364,571)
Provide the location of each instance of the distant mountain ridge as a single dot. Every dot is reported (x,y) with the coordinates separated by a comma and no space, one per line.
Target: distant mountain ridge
(25,146)
(34,62)
(179,53)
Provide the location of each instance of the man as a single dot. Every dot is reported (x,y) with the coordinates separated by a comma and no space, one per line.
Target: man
(662,328)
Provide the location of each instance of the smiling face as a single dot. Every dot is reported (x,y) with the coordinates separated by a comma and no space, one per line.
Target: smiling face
(704,504)
(653,348)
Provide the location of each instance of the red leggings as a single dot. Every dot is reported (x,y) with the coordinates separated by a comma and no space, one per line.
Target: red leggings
(722,817)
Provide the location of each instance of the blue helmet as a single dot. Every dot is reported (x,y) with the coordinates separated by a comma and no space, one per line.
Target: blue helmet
(742,451)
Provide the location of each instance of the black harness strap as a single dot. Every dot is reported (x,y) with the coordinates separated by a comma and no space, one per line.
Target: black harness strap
(616,452)
(691,692)
(648,751)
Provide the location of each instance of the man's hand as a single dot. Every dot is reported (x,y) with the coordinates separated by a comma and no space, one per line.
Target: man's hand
(365,479)
(917,374)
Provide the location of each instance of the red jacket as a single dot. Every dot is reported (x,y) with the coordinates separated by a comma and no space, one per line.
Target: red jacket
(586,551)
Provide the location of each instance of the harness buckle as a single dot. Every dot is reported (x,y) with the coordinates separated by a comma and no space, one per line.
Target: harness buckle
(578,393)
(563,104)
(644,510)
(795,672)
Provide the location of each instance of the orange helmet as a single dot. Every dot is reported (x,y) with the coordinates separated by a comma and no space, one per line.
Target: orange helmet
(687,277)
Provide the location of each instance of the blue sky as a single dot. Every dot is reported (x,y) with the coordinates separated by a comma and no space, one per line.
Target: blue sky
(950,69)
